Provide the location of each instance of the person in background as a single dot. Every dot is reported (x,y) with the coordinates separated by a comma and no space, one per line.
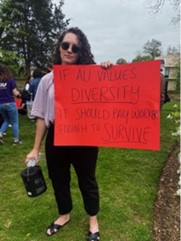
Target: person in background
(121,61)
(164,97)
(33,84)
(162,89)
(22,110)
(72,48)
(25,96)
(8,109)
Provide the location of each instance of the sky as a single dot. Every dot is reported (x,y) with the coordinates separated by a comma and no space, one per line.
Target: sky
(120,28)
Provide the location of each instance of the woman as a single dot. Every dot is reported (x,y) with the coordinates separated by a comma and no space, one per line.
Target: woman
(72,48)
(33,84)
(8,108)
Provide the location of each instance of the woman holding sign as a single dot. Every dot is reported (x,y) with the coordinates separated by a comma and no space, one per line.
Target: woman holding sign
(72,48)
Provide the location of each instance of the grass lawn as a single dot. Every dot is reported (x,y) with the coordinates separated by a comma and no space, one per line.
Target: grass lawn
(128,181)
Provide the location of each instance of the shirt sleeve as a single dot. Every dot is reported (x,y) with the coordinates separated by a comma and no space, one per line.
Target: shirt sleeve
(13,84)
(38,108)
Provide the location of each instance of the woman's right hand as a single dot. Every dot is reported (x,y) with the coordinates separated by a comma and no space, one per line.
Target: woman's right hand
(106,64)
(32,155)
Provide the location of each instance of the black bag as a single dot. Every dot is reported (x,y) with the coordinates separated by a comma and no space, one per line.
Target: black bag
(25,95)
(34,181)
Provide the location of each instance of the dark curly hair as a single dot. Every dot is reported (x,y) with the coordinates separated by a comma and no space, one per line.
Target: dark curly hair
(85,55)
(5,73)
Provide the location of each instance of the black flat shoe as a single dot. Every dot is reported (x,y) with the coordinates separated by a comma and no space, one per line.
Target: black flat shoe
(54,228)
(93,236)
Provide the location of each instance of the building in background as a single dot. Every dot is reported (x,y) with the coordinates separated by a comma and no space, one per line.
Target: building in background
(170,65)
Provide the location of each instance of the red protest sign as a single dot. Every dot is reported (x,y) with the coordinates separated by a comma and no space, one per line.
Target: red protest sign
(116,107)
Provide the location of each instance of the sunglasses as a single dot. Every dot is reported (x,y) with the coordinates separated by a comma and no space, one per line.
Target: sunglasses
(75,48)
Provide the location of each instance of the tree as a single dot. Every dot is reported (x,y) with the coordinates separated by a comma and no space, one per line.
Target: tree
(11,59)
(141,58)
(172,50)
(156,5)
(152,48)
(30,28)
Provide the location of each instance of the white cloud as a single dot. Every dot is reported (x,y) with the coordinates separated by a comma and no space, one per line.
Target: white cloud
(120,28)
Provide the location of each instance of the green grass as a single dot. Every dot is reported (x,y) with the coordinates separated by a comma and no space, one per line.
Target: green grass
(128,181)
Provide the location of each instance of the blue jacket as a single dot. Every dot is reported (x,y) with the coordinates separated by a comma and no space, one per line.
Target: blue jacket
(33,86)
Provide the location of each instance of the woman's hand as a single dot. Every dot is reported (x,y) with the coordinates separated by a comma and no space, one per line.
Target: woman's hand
(40,132)
(106,64)
(32,155)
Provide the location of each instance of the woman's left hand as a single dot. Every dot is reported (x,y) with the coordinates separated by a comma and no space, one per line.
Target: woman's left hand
(106,64)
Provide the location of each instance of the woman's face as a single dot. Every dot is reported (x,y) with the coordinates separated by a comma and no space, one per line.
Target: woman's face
(69,49)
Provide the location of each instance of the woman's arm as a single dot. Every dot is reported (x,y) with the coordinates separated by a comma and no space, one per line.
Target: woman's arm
(39,135)
(16,93)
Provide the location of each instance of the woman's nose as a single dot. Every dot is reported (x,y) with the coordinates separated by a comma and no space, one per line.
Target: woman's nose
(69,48)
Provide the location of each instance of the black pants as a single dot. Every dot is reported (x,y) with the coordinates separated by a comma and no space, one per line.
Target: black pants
(83,159)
